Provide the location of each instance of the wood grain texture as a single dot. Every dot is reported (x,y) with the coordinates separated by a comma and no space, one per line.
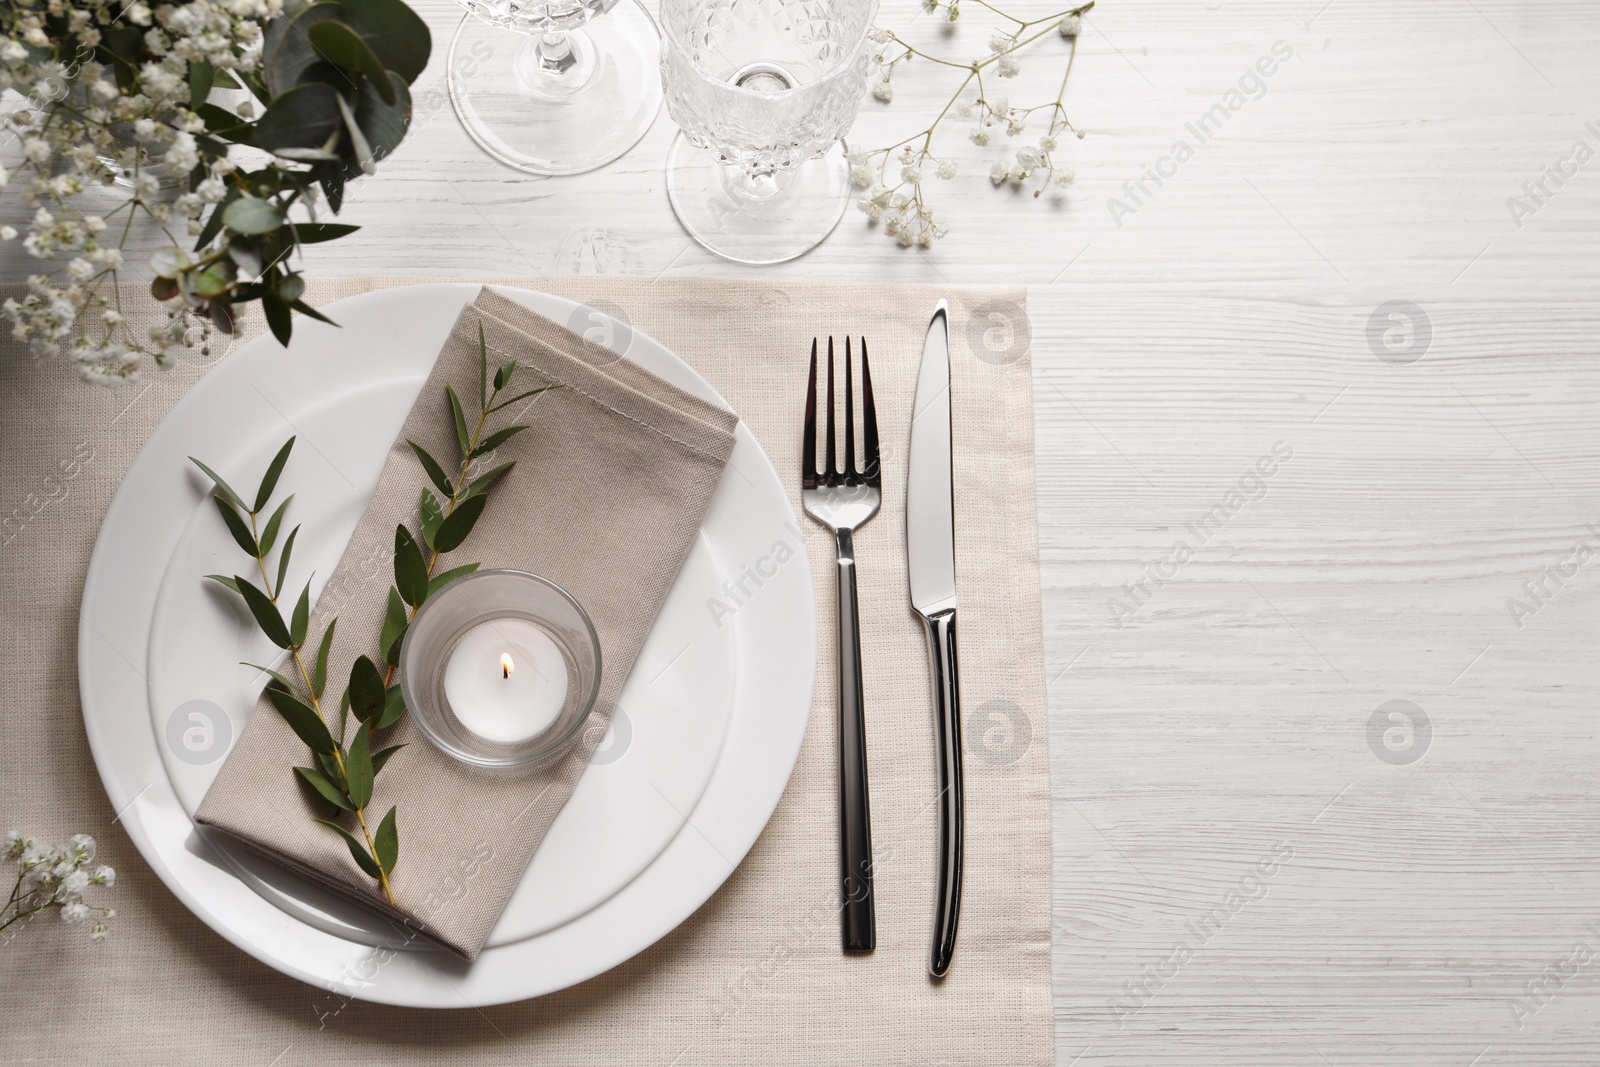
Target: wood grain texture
(1225,722)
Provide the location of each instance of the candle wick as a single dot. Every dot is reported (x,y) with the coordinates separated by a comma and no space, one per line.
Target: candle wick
(505,672)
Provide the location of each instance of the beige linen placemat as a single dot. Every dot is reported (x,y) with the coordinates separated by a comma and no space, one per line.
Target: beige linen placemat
(756,975)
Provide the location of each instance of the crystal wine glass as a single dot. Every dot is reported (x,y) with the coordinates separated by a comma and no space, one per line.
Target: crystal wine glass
(768,87)
(543,86)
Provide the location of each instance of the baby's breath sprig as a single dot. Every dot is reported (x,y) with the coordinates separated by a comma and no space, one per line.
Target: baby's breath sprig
(901,204)
(56,876)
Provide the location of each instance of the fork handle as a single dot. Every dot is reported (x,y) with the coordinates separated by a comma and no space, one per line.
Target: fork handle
(855,824)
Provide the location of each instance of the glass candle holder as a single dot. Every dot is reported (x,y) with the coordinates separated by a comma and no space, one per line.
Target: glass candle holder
(500,668)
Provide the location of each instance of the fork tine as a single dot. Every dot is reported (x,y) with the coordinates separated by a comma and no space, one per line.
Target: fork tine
(849,418)
(808,443)
(869,424)
(832,472)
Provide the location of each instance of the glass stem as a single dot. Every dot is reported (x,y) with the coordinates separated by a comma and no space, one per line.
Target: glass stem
(554,50)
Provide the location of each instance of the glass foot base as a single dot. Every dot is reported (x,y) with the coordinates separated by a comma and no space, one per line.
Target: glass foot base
(770,220)
(562,118)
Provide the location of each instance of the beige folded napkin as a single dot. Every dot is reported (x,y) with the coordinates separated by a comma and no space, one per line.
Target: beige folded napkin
(608,493)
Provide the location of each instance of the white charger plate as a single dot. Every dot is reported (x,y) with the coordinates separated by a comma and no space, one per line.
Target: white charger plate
(707,734)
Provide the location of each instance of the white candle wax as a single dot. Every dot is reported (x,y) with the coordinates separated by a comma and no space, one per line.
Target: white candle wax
(506,681)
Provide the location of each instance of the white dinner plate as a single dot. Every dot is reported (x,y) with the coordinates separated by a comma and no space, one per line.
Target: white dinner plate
(706,735)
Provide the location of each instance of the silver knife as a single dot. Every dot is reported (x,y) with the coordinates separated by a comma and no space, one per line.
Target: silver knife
(931,557)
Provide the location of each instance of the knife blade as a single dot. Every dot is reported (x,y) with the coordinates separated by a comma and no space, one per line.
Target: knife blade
(931,560)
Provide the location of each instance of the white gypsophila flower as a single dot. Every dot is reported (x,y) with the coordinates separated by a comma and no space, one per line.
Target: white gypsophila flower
(1071,26)
(1064,176)
(211,190)
(980,136)
(103,875)
(99,932)
(1007,67)
(14,838)
(1047,143)
(1000,42)
(878,35)
(861,176)
(72,886)
(1028,157)
(883,91)
(947,169)
(999,172)
(1000,105)
(74,914)
(81,848)
(912,174)
(856,157)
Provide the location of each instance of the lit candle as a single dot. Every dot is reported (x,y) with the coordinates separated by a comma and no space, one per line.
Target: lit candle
(506,681)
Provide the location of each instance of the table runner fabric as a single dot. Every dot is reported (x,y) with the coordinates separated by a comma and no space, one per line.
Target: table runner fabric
(611,451)
(754,976)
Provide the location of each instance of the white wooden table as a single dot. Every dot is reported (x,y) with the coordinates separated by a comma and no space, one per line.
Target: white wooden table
(1218,783)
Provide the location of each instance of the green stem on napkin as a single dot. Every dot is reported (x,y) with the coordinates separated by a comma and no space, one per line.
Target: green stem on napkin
(345,775)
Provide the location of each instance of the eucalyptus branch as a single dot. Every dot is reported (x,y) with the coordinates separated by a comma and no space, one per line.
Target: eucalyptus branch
(345,773)
(899,200)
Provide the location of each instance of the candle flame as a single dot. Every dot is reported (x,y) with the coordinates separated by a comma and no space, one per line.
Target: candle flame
(506,666)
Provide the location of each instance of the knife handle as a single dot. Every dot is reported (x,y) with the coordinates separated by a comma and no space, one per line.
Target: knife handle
(947,726)
(855,824)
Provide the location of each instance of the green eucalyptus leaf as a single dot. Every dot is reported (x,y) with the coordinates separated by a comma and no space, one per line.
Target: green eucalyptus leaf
(269,481)
(222,486)
(213,224)
(224,581)
(305,722)
(358,769)
(283,558)
(386,842)
(301,618)
(394,706)
(319,670)
(287,54)
(495,440)
(289,287)
(482,483)
(303,117)
(432,468)
(237,527)
(410,570)
(432,513)
(522,396)
(327,789)
(252,215)
(360,150)
(310,233)
(483,369)
(358,851)
(269,532)
(246,256)
(340,44)
(394,31)
(463,435)
(344,712)
(394,628)
(201,76)
(439,581)
(366,689)
(502,377)
(278,317)
(330,769)
(458,524)
(381,757)
(265,612)
(277,679)
(311,313)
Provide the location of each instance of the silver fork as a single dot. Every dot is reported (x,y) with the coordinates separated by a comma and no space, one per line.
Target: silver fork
(843,501)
